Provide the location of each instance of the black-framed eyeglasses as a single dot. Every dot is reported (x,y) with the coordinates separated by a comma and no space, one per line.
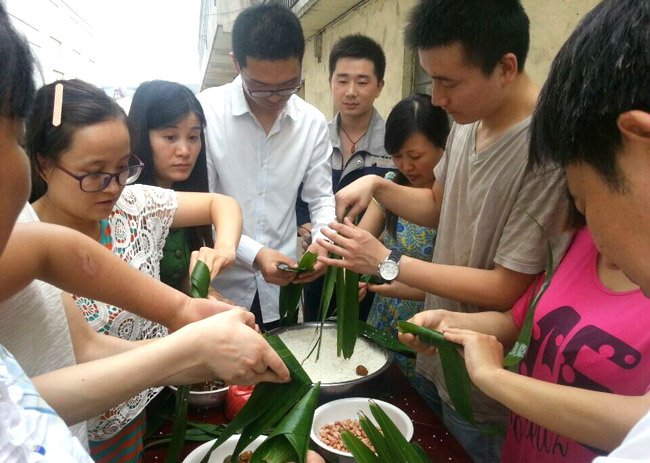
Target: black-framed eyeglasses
(268,93)
(97,181)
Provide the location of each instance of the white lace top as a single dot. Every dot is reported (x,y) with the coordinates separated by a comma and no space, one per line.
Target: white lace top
(135,231)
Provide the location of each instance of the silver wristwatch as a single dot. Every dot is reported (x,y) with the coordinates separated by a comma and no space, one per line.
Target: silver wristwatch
(389,268)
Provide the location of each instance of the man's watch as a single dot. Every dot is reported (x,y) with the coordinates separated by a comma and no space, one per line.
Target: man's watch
(389,268)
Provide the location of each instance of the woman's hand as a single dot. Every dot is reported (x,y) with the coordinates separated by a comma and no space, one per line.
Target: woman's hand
(432,319)
(361,251)
(231,348)
(363,291)
(483,354)
(356,196)
(216,259)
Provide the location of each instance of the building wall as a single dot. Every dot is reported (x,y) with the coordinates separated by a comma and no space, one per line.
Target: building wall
(61,34)
(384,20)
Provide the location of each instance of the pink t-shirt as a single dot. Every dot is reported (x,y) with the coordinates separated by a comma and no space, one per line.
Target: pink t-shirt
(585,336)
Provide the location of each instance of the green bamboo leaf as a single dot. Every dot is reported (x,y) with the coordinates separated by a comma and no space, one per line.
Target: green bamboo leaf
(289,440)
(307,262)
(394,438)
(325,299)
(348,321)
(453,367)
(200,280)
(420,451)
(384,340)
(427,336)
(519,349)
(289,299)
(268,403)
(459,385)
(200,283)
(358,449)
(340,308)
(377,439)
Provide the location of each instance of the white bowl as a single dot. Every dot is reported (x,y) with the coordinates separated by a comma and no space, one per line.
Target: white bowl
(222,452)
(206,399)
(343,409)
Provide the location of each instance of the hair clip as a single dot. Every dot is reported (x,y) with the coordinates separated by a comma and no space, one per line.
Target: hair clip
(58,105)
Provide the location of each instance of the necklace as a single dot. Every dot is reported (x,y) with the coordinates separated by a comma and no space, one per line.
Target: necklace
(354,143)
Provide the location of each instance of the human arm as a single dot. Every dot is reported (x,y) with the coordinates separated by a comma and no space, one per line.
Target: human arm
(316,192)
(225,345)
(498,324)
(418,205)
(498,288)
(88,344)
(397,290)
(593,418)
(221,211)
(313,457)
(75,263)
(373,220)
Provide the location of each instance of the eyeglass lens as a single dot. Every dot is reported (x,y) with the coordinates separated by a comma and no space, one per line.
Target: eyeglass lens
(99,181)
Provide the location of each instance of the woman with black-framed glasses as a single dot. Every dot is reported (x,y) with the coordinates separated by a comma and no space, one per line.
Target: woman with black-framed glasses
(83,170)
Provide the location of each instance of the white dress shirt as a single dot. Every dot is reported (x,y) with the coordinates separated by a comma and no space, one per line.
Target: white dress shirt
(263,173)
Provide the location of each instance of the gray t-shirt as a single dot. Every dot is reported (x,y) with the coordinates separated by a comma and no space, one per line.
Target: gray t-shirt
(484,222)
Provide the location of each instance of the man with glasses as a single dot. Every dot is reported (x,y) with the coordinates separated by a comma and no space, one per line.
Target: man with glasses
(263,141)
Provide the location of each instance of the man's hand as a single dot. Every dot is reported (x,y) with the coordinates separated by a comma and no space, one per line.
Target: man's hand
(215,258)
(231,348)
(319,267)
(397,290)
(432,319)
(356,196)
(483,354)
(361,251)
(267,261)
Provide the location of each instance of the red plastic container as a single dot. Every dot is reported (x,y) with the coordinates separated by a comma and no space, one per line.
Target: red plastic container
(236,399)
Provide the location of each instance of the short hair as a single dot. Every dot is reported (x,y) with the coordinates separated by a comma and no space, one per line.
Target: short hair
(158,104)
(600,72)
(487,29)
(267,32)
(415,114)
(83,105)
(359,46)
(16,83)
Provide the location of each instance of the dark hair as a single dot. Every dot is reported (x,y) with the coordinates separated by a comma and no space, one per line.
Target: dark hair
(600,72)
(157,104)
(415,114)
(359,46)
(487,29)
(268,31)
(83,105)
(16,82)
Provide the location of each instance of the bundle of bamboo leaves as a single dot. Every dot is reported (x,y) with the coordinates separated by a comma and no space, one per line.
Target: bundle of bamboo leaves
(287,409)
(390,445)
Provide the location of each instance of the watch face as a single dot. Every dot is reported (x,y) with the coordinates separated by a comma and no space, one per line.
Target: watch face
(388,270)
